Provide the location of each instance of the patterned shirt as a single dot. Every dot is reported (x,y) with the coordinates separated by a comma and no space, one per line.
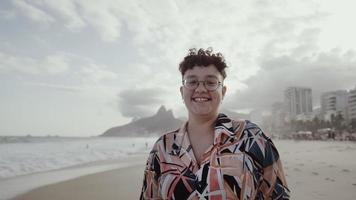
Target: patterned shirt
(242,164)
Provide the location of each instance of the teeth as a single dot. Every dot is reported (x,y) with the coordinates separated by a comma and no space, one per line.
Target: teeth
(200,99)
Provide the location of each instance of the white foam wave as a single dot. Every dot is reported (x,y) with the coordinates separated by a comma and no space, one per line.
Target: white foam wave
(33,156)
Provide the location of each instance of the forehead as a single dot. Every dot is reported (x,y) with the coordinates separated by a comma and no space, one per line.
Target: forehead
(203,71)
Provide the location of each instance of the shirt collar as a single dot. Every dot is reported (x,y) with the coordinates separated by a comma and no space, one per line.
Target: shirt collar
(225,132)
(224,129)
(183,146)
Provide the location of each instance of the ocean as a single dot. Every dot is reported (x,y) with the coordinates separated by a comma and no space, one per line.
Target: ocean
(30,162)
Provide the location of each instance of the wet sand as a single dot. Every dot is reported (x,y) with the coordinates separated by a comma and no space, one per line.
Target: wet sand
(116,184)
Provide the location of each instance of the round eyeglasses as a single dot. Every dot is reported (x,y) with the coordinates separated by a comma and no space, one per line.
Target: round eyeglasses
(211,84)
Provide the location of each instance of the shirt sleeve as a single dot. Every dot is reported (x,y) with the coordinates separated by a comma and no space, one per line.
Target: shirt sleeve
(151,175)
(273,185)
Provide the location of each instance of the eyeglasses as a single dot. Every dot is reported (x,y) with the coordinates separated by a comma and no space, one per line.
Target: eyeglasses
(211,84)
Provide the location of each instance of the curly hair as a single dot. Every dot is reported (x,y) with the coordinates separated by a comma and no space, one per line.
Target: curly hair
(204,58)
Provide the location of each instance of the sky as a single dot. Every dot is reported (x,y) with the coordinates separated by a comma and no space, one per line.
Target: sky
(79,67)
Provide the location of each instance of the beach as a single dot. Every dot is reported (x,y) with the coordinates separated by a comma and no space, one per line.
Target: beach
(314,170)
(116,184)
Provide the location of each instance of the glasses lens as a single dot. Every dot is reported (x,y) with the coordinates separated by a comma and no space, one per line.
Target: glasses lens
(211,83)
(191,83)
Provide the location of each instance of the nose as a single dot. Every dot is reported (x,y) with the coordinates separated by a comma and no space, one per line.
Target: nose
(201,87)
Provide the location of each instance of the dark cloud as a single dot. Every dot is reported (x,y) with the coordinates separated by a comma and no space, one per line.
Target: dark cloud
(140,102)
(324,71)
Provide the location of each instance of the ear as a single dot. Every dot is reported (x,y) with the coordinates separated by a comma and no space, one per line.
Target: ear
(223,91)
(181,91)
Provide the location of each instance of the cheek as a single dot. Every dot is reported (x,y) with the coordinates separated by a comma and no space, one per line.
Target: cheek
(217,97)
(186,95)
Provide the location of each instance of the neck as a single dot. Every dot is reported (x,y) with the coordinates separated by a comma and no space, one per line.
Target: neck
(201,125)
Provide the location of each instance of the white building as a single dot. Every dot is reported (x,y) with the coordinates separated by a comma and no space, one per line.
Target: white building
(333,103)
(351,108)
(298,103)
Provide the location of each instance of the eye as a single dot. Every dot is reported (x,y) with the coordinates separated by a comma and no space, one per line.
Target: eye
(211,82)
(191,82)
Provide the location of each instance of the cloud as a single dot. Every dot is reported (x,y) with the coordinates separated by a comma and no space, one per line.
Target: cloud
(324,71)
(55,64)
(76,15)
(162,31)
(66,11)
(69,67)
(101,16)
(33,12)
(96,73)
(261,41)
(140,102)
(51,64)
(15,63)
(7,14)
(63,88)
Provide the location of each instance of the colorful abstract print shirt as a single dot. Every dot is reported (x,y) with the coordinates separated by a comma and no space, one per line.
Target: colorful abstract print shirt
(242,164)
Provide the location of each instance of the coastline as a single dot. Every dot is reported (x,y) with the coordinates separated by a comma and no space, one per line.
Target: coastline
(123,183)
(17,186)
(314,171)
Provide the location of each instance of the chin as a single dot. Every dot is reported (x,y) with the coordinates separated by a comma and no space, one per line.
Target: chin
(203,113)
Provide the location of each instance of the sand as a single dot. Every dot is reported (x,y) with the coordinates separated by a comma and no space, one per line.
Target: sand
(314,170)
(320,170)
(116,184)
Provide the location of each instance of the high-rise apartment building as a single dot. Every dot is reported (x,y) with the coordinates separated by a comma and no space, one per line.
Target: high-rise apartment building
(298,102)
(334,103)
(351,108)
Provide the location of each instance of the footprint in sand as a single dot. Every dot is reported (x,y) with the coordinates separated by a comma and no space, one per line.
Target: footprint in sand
(297,169)
(315,173)
(331,166)
(330,179)
(354,184)
(345,170)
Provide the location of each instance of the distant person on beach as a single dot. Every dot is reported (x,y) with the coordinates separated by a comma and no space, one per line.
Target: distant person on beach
(212,156)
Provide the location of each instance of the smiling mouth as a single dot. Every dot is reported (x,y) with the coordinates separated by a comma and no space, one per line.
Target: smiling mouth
(201,99)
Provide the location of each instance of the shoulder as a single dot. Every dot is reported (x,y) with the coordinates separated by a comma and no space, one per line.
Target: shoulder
(158,151)
(165,139)
(259,145)
(253,130)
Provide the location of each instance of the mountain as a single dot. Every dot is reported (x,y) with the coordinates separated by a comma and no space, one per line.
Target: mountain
(162,122)
(235,115)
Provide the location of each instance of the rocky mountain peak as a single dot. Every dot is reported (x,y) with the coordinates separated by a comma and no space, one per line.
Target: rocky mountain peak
(159,123)
(161,110)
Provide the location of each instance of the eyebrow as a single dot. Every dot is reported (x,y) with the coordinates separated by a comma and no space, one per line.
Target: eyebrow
(208,76)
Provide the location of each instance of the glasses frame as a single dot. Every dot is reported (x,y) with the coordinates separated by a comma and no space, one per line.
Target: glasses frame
(220,83)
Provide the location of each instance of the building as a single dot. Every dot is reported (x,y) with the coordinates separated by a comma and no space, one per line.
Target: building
(334,103)
(351,108)
(279,115)
(298,103)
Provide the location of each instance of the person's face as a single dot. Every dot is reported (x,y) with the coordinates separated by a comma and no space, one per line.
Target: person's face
(200,101)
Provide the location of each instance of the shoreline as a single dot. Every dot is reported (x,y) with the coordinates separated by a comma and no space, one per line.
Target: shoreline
(314,171)
(122,183)
(12,187)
